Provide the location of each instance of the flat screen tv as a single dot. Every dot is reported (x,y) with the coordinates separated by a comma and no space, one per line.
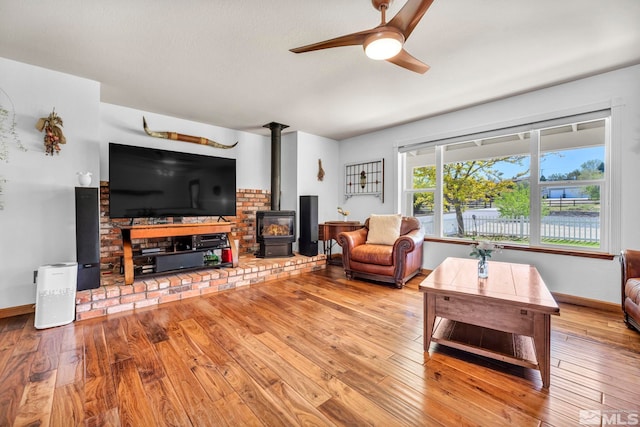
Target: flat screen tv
(154,183)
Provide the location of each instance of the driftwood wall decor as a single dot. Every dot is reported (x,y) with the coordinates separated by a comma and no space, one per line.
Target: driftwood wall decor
(185,138)
(320,170)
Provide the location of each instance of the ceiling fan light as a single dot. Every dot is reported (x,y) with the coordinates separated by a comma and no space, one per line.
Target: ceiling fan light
(383,45)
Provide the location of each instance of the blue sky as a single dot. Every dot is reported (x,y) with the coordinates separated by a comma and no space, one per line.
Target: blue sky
(557,162)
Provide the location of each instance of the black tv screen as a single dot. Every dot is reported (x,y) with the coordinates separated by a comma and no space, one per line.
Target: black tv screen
(154,183)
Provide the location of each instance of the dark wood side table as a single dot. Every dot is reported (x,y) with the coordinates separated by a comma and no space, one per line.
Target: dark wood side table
(328,233)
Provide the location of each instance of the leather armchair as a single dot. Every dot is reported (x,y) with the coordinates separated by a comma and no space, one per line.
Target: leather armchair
(630,261)
(395,263)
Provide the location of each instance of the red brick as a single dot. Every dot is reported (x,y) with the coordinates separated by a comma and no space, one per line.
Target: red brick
(126,290)
(131,298)
(146,303)
(209,290)
(83,297)
(90,314)
(80,308)
(98,294)
(112,291)
(169,298)
(158,293)
(190,293)
(200,285)
(234,279)
(179,289)
(218,282)
(120,308)
(152,285)
(185,279)
(105,303)
(163,283)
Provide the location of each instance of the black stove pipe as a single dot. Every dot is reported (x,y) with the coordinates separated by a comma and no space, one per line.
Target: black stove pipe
(276,161)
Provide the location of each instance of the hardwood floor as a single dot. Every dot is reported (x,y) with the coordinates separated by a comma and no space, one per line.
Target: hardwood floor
(315,349)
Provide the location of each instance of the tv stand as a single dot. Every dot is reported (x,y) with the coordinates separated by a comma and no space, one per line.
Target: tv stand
(132,232)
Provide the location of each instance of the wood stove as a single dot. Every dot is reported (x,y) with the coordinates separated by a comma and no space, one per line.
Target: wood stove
(275,232)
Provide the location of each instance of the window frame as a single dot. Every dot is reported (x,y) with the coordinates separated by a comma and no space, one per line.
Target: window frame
(609,235)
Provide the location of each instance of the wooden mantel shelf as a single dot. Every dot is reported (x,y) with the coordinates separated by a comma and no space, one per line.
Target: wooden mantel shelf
(168,230)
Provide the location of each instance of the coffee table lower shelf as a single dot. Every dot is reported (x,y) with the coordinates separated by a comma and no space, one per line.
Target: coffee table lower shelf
(504,346)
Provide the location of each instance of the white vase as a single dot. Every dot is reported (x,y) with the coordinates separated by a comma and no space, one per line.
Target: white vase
(483,268)
(84,178)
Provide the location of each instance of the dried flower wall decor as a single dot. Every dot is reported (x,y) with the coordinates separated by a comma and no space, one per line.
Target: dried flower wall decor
(8,132)
(8,125)
(53,137)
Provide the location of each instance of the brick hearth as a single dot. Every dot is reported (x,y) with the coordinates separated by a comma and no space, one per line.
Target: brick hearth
(113,296)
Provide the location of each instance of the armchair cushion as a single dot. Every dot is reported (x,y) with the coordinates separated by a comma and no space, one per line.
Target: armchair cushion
(373,254)
(384,229)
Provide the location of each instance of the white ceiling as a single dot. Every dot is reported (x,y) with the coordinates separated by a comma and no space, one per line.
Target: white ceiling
(227,63)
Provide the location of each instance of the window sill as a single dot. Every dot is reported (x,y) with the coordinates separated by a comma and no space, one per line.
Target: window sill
(567,252)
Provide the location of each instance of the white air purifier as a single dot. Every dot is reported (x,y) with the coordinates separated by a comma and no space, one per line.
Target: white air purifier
(56,294)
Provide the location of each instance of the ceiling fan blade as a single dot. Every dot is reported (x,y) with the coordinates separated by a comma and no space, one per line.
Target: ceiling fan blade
(409,16)
(348,40)
(405,60)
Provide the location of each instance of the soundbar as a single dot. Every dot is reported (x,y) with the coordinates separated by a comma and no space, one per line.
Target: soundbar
(179,261)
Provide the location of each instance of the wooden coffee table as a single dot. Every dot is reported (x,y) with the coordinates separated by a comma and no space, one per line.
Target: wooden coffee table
(506,316)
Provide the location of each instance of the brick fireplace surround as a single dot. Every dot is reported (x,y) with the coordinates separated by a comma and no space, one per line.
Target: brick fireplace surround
(113,296)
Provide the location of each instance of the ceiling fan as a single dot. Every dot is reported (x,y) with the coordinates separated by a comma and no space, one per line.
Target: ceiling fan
(386,41)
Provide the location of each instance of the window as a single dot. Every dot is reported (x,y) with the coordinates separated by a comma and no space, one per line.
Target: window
(420,184)
(543,184)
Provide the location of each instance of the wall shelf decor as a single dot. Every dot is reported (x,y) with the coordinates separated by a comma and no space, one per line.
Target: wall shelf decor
(364,179)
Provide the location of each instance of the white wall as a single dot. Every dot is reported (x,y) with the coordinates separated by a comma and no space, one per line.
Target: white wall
(310,149)
(124,125)
(37,225)
(620,90)
(288,171)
